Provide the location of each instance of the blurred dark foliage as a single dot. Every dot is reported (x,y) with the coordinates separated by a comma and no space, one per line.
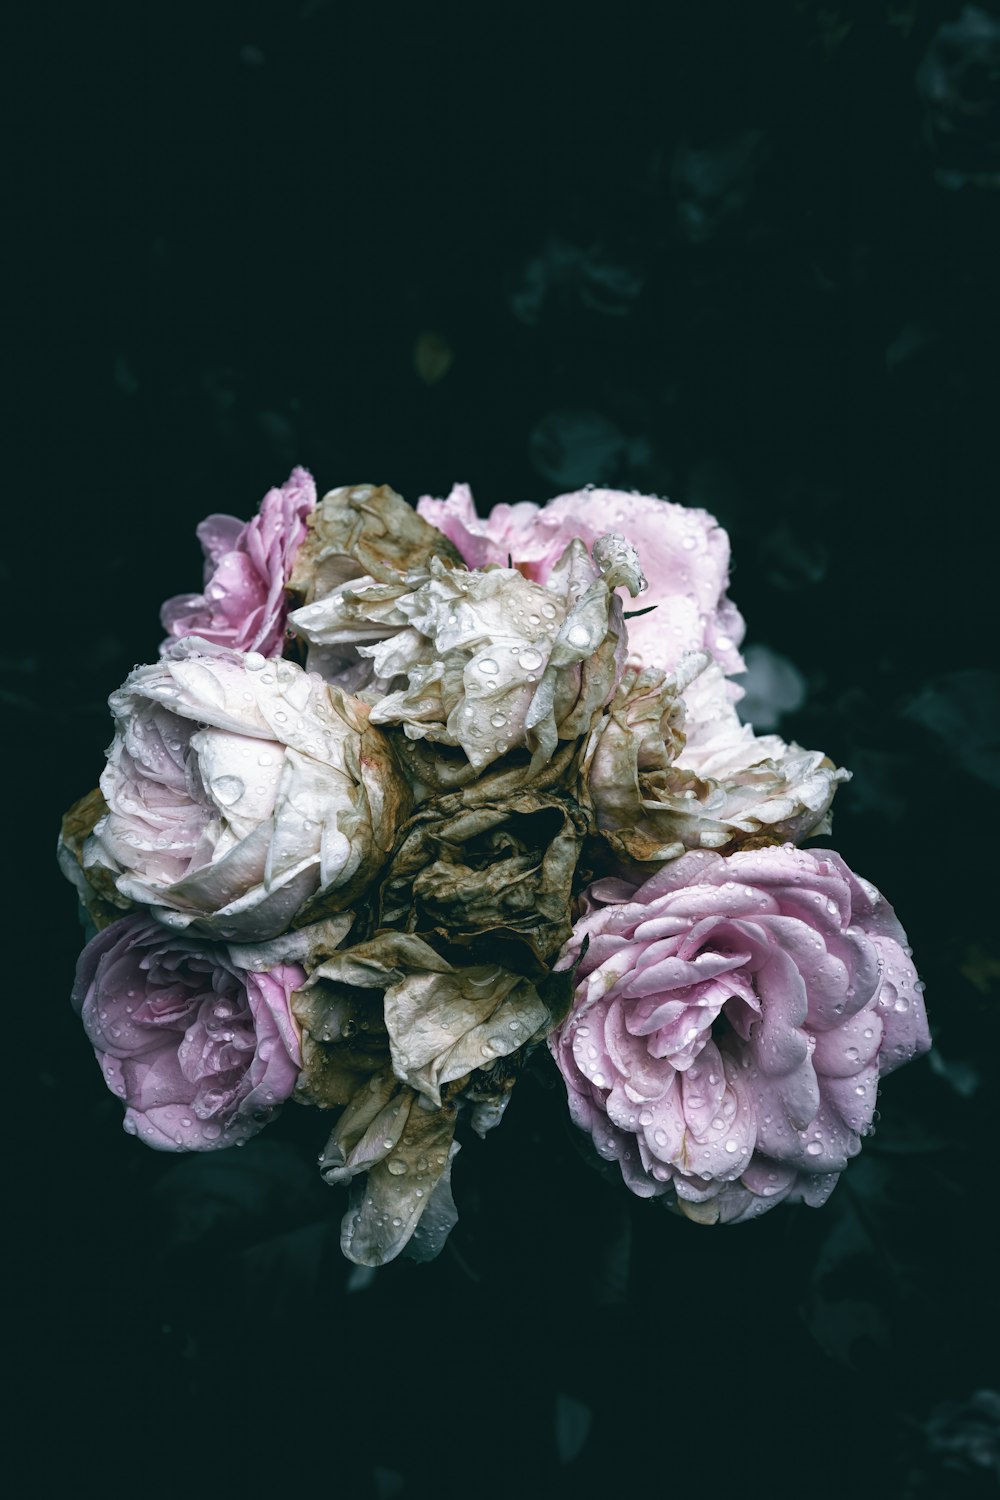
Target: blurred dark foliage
(743,255)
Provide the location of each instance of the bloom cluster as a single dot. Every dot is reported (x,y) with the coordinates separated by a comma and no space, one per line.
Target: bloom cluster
(410,794)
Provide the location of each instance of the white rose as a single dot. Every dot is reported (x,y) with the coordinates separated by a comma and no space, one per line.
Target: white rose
(242,794)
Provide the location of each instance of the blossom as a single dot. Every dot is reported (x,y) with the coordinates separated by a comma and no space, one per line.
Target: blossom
(242,794)
(247,567)
(670,767)
(683,552)
(732,1018)
(491,661)
(201,1049)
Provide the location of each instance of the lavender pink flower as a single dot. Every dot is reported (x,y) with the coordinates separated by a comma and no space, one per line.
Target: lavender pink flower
(731,1022)
(683,552)
(247,565)
(201,1050)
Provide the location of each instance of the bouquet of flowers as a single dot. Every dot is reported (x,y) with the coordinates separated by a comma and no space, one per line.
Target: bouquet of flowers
(411,795)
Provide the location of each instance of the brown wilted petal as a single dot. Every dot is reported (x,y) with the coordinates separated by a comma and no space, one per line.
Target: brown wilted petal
(641,733)
(95,886)
(363,530)
(492,878)
(442,1027)
(339,1008)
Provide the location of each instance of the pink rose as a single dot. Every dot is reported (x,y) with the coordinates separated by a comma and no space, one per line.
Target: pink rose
(247,565)
(201,1049)
(731,1021)
(683,553)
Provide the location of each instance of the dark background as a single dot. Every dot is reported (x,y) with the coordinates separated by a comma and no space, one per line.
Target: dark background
(745,255)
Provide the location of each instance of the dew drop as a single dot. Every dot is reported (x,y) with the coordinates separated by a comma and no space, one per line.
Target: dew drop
(488,665)
(227,790)
(530,660)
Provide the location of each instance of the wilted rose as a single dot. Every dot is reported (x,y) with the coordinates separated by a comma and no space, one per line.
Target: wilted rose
(247,567)
(489,871)
(401,1039)
(360,531)
(200,1049)
(670,767)
(683,552)
(491,661)
(731,1021)
(242,794)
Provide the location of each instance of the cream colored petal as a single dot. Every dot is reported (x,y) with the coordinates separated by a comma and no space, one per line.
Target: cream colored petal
(387,1206)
